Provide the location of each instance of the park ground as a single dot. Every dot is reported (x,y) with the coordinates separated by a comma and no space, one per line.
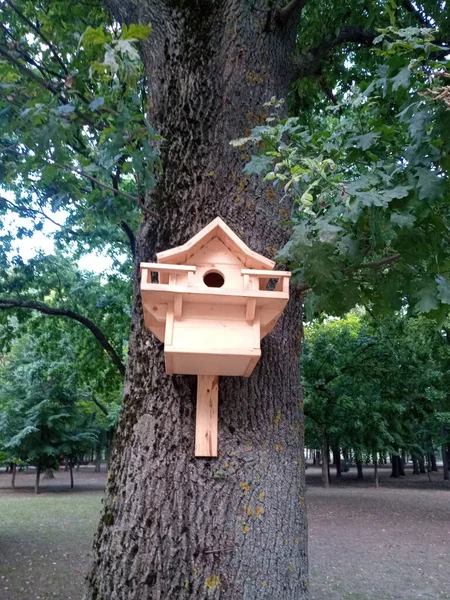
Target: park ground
(364,543)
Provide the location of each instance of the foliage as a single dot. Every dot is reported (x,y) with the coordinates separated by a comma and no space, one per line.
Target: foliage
(41,416)
(74,140)
(369,180)
(376,386)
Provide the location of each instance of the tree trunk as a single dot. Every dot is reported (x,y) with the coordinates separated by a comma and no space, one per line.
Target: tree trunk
(49,474)
(416,470)
(325,465)
(174,526)
(98,459)
(445,461)
(421,464)
(397,468)
(38,476)
(13,477)
(433,462)
(317,458)
(71,474)
(109,446)
(337,461)
(359,470)
(375,471)
(445,465)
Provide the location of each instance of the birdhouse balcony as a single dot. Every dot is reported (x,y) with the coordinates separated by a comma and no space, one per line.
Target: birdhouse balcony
(211,317)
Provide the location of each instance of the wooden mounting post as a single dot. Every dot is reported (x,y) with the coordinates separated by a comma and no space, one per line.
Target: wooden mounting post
(207,415)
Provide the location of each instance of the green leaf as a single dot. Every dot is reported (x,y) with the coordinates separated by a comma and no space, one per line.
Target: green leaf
(97,103)
(93,37)
(427,299)
(443,286)
(364,141)
(135,31)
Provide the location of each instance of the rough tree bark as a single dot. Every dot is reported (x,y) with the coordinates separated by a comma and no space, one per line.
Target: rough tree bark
(175,526)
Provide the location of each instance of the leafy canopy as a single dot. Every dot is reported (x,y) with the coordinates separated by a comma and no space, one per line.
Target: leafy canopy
(369,177)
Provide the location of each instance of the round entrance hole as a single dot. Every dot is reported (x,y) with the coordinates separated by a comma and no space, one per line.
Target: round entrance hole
(213,279)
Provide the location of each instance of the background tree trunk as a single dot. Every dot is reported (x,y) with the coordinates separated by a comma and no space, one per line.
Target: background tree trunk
(359,470)
(38,476)
(337,461)
(325,465)
(48,474)
(98,459)
(421,464)
(13,477)
(175,526)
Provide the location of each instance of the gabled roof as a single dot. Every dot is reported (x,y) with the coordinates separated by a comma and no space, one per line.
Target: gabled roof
(216,229)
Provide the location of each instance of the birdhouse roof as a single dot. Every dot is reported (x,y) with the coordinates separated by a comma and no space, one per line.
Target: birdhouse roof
(216,229)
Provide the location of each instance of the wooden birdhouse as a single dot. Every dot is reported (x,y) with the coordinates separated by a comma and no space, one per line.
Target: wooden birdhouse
(214,301)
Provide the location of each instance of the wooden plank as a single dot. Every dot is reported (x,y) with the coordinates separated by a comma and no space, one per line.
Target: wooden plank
(159,268)
(168,357)
(207,415)
(178,305)
(231,362)
(256,330)
(267,274)
(169,326)
(162,293)
(250,309)
(145,277)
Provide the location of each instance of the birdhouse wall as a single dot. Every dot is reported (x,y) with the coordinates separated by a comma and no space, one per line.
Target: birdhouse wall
(213,256)
(212,340)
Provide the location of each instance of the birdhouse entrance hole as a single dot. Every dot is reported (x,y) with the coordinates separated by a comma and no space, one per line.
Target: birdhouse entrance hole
(213,279)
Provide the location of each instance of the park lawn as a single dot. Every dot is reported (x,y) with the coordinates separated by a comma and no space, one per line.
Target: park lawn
(45,543)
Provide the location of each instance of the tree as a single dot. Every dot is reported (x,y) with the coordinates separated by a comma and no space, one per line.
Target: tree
(214,66)
(41,418)
(370,181)
(375,386)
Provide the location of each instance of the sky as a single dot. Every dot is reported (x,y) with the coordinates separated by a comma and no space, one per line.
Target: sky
(42,241)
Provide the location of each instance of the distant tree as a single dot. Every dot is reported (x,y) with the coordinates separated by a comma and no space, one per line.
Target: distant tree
(373,386)
(40,418)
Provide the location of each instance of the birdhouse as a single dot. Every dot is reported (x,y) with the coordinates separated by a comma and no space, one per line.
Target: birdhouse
(215,299)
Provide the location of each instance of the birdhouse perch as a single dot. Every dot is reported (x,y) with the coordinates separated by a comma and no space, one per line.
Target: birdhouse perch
(211,308)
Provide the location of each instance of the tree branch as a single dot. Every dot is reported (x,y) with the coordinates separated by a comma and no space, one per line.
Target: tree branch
(10,304)
(409,6)
(131,238)
(108,187)
(40,34)
(45,84)
(310,62)
(292,9)
(383,262)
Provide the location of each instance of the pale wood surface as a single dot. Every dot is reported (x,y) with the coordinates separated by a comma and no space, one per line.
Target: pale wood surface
(216,229)
(207,330)
(207,415)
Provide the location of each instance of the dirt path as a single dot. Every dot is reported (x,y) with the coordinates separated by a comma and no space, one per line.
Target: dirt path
(379,544)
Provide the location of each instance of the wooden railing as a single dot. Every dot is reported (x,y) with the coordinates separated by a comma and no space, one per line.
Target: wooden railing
(254,279)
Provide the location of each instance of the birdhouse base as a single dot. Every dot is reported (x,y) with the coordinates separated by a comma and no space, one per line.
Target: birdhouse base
(229,362)
(207,416)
